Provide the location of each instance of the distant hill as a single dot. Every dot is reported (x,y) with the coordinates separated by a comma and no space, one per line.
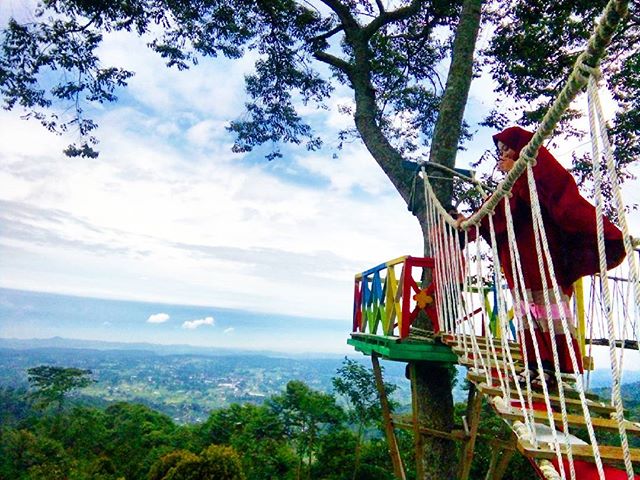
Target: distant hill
(59,342)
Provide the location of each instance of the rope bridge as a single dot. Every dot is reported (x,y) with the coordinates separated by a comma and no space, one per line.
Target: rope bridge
(494,329)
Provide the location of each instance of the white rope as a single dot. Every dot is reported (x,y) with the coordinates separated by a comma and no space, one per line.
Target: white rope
(548,470)
(519,296)
(449,274)
(542,248)
(615,367)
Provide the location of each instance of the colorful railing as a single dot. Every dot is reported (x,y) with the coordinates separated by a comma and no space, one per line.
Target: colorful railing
(387,304)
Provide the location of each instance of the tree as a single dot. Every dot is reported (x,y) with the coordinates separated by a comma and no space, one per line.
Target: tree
(214,463)
(137,437)
(257,432)
(306,414)
(357,384)
(24,455)
(388,57)
(52,384)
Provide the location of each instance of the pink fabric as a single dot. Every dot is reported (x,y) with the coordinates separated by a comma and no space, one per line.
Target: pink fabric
(540,311)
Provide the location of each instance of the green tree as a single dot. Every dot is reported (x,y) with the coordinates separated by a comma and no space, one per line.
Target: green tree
(24,455)
(257,432)
(306,414)
(216,462)
(52,384)
(167,462)
(357,385)
(534,48)
(136,437)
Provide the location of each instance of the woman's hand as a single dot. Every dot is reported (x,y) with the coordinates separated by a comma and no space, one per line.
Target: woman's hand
(459,219)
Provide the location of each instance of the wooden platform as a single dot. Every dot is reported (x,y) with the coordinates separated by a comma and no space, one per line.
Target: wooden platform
(410,349)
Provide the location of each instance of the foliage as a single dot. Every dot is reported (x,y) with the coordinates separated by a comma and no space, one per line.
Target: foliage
(214,463)
(394,51)
(357,384)
(23,455)
(53,383)
(257,432)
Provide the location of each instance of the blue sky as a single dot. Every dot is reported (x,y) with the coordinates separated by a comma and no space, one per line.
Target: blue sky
(168,213)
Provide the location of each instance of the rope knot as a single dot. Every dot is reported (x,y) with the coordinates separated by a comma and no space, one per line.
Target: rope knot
(529,160)
(585,71)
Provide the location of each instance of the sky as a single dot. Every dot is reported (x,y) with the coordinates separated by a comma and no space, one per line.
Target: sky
(167,213)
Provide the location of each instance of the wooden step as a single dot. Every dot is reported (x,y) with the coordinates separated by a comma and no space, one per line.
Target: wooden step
(460,351)
(608,454)
(492,363)
(594,405)
(510,413)
(453,340)
(569,392)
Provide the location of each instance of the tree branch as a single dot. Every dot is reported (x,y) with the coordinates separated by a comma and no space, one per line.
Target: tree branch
(327,35)
(388,17)
(343,12)
(334,61)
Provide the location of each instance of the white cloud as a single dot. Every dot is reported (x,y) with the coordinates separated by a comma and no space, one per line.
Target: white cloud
(168,213)
(158,318)
(193,324)
(229,330)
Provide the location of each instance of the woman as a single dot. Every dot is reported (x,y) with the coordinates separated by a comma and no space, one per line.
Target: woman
(570,225)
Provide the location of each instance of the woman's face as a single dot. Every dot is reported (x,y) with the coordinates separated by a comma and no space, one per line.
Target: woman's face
(506,157)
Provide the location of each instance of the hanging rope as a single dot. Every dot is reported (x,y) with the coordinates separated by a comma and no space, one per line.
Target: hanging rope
(615,367)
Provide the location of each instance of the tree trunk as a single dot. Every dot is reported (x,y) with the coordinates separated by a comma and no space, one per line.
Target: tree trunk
(433,380)
(446,134)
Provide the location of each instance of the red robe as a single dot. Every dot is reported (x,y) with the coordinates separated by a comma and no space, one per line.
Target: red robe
(570,225)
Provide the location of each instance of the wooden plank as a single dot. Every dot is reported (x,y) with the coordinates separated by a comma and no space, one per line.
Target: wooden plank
(456,435)
(594,405)
(608,454)
(570,392)
(515,353)
(501,468)
(511,413)
(394,450)
(480,340)
(390,348)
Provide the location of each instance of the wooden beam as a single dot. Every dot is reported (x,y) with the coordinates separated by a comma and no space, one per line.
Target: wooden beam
(474,405)
(609,455)
(503,463)
(457,435)
(394,451)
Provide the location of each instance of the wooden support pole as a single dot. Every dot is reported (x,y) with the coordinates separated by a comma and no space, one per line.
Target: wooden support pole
(492,464)
(501,468)
(419,444)
(474,406)
(394,451)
